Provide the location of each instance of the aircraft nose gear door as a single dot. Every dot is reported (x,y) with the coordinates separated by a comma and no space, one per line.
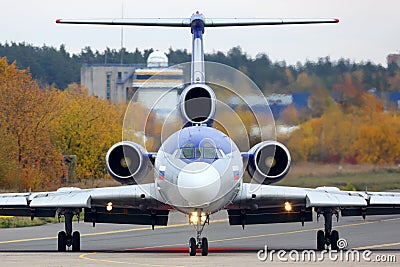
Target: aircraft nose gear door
(198,220)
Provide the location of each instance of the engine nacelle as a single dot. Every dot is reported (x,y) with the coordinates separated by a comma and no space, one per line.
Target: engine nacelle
(269,162)
(197,105)
(127,162)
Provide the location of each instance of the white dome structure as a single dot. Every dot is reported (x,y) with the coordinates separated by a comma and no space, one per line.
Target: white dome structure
(157,59)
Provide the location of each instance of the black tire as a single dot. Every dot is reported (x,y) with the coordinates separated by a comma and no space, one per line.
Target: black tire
(334,240)
(62,241)
(76,241)
(320,240)
(204,246)
(192,246)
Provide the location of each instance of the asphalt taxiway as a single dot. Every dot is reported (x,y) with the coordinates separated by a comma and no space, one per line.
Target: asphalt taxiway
(109,244)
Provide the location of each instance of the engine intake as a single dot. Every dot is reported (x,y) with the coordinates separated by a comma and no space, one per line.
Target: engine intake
(127,162)
(269,162)
(197,104)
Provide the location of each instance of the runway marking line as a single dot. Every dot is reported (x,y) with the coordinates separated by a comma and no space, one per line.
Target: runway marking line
(106,233)
(378,246)
(231,238)
(86,256)
(266,235)
(185,224)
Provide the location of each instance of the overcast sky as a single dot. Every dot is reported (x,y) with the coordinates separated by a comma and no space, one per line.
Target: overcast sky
(368,29)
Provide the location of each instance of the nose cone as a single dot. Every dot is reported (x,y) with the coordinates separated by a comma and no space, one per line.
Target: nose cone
(199,183)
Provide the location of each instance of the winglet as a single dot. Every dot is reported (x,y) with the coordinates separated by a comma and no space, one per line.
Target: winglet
(58,20)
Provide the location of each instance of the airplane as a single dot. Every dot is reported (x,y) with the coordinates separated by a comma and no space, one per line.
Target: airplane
(199,170)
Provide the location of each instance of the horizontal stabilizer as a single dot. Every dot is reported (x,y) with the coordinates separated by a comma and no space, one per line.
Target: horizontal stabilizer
(255,21)
(185,22)
(166,22)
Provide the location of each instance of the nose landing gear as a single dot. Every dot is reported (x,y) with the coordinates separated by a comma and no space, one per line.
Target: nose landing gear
(198,220)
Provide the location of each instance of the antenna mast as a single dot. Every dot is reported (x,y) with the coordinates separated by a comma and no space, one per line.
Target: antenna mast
(122,35)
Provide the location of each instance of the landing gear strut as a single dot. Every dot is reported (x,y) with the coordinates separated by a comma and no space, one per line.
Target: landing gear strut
(68,238)
(198,220)
(328,237)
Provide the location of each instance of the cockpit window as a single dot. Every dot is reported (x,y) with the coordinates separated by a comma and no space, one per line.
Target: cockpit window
(187,152)
(199,152)
(209,153)
(190,153)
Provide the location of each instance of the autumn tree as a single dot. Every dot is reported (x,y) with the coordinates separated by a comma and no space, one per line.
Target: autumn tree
(356,134)
(350,89)
(25,111)
(86,127)
(290,115)
(378,143)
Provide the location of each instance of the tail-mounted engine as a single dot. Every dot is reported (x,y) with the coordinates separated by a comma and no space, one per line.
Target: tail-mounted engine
(127,162)
(197,105)
(269,162)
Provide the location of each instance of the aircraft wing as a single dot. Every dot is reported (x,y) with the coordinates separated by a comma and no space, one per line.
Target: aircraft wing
(262,204)
(130,204)
(185,22)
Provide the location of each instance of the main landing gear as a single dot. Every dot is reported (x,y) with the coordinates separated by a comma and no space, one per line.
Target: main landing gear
(328,237)
(198,220)
(68,238)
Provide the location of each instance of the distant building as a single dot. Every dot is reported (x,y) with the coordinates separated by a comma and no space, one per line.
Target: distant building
(107,81)
(158,84)
(393,58)
(118,83)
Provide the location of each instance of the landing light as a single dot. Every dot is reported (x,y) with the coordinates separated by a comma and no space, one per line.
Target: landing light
(194,217)
(288,206)
(109,206)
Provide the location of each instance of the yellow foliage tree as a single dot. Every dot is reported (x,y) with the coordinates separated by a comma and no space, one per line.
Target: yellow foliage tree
(378,142)
(87,127)
(25,111)
(304,142)
(356,134)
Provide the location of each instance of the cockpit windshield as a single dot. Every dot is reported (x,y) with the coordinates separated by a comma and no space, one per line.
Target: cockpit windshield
(190,153)
(200,152)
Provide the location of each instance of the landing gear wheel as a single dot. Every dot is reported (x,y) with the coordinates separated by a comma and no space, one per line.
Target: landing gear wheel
(76,241)
(334,240)
(320,240)
(62,241)
(204,246)
(192,246)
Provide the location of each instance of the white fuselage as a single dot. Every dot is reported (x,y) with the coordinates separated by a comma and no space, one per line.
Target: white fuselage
(198,169)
